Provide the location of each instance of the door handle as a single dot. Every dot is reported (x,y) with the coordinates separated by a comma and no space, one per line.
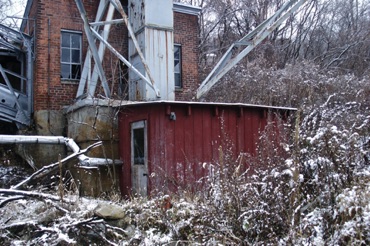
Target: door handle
(145,174)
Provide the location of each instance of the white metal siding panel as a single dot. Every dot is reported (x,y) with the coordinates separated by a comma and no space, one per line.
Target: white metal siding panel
(159,55)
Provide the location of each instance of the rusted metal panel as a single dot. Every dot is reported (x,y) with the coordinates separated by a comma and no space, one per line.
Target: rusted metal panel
(137,88)
(215,133)
(124,136)
(189,146)
(207,134)
(231,127)
(181,151)
(169,149)
(137,15)
(251,135)
(240,126)
(198,155)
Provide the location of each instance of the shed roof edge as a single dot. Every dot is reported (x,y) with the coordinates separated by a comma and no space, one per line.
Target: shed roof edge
(120,104)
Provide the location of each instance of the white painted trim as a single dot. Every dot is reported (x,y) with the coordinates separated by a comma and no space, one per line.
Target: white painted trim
(186,9)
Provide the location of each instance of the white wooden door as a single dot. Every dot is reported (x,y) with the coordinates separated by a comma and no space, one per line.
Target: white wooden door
(139,158)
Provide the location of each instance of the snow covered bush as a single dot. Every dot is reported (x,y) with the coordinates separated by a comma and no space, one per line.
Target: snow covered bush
(331,149)
(250,205)
(333,155)
(295,85)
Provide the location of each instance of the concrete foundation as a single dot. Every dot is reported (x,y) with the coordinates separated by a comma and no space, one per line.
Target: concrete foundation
(87,124)
(47,123)
(92,123)
(97,181)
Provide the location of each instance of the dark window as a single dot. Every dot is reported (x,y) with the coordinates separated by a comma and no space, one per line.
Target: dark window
(139,147)
(71,55)
(177,60)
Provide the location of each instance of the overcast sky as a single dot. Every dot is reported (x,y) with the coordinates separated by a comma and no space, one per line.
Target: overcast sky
(17,10)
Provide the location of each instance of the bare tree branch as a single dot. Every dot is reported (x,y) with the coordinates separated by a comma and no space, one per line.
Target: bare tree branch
(52,167)
(10,199)
(32,194)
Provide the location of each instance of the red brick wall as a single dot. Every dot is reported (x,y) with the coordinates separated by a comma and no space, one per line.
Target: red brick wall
(51,17)
(50,93)
(186,34)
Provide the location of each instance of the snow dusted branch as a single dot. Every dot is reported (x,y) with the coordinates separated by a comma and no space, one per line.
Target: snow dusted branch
(10,199)
(32,194)
(52,167)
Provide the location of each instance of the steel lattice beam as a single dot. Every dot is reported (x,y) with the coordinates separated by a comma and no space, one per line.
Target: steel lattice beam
(94,51)
(89,78)
(250,41)
(17,106)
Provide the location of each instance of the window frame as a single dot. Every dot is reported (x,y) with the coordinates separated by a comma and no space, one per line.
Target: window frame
(178,85)
(139,170)
(71,63)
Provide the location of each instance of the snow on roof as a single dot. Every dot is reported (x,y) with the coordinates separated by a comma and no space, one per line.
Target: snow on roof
(121,103)
(186,9)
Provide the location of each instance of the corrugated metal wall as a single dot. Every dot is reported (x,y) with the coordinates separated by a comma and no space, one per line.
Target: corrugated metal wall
(180,151)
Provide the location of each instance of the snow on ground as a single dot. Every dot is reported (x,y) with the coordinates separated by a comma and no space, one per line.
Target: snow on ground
(147,222)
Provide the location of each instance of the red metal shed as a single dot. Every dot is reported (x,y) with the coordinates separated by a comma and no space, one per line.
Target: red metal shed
(167,145)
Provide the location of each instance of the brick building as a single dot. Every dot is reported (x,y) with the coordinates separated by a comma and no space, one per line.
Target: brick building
(57,74)
(64,69)
(61,52)
(139,106)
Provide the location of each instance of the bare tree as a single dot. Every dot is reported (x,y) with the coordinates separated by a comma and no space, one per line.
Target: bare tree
(333,34)
(347,31)
(4,7)
(10,8)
